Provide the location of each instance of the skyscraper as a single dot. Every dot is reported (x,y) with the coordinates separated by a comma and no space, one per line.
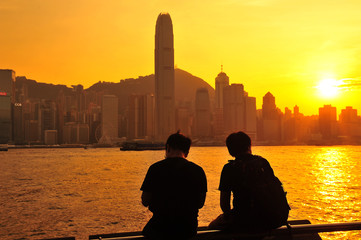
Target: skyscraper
(271,120)
(328,121)
(234,110)
(164,77)
(203,113)
(109,122)
(222,81)
(141,116)
(7,78)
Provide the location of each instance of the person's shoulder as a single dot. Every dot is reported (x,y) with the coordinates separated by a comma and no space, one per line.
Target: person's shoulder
(157,164)
(194,165)
(259,158)
(230,164)
(263,162)
(195,168)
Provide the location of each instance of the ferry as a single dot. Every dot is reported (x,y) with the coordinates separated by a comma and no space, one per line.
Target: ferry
(4,148)
(141,146)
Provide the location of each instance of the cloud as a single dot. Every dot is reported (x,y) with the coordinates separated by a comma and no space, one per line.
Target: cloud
(351,83)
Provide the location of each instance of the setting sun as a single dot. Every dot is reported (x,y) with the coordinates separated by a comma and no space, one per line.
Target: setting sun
(328,88)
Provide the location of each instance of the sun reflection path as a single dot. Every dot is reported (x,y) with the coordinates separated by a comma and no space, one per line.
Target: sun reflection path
(333,174)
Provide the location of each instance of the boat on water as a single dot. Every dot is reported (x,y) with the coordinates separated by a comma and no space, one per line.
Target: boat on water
(4,148)
(141,146)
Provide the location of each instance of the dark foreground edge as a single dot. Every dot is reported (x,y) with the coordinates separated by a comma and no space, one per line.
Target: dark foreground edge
(299,230)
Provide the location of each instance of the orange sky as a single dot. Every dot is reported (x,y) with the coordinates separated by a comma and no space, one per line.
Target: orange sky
(285,47)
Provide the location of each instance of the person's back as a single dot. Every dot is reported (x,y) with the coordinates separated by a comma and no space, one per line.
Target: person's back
(174,189)
(259,201)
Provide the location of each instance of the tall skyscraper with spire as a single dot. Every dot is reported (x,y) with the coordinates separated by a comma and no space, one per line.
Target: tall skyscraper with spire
(222,81)
(164,77)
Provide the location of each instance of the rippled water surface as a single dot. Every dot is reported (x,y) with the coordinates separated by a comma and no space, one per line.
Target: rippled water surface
(76,192)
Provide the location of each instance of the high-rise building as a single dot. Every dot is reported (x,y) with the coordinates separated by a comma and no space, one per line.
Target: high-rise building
(234,108)
(141,116)
(269,109)
(7,78)
(203,113)
(221,81)
(184,119)
(18,124)
(251,117)
(47,117)
(109,122)
(350,123)
(271,120)
(328,121)
(164,77)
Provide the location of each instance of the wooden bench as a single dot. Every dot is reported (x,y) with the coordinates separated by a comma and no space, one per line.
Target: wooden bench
(300,230)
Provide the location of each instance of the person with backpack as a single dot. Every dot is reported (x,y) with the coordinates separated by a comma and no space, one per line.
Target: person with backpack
(259,201)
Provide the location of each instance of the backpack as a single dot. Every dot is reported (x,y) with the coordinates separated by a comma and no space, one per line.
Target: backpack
(268,202)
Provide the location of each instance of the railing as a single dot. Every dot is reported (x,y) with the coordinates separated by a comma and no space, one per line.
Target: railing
(299,230)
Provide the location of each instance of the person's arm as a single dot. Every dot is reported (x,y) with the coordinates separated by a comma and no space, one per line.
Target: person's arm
(147,187)
(146,198)
(225,201)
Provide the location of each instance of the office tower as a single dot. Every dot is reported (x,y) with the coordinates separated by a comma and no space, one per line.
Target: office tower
(203,114)
(47,117)
(184,118)
(18,123)
(234,108)
(269,109)
(164,77)
(328,121)
(94,112)
(271,120)
(7,78)
(109,122)
(141,116)
(31,112)
(222,81)
(350,123)
(251,117)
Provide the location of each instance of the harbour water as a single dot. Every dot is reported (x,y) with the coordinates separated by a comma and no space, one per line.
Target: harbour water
(76,192)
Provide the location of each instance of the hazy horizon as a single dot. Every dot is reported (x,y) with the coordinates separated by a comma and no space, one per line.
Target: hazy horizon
(287,48)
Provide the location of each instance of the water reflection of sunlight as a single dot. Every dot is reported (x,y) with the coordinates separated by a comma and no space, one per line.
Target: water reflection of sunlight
(331,175)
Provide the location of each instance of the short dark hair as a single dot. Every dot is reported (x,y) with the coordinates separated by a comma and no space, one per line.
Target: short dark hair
(180,142)
(238,143)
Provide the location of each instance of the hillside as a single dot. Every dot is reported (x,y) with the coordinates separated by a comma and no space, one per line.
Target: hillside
(186,86)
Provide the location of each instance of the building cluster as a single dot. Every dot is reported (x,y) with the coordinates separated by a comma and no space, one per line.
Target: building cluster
(78,116)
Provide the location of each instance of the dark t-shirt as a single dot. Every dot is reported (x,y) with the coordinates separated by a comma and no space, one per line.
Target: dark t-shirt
(236,176)
(176,185)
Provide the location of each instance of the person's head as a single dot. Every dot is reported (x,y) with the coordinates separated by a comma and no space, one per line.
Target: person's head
(238,143)
(178,142)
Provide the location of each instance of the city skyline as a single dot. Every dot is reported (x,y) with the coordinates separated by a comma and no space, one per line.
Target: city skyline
(55,114)
(287,48)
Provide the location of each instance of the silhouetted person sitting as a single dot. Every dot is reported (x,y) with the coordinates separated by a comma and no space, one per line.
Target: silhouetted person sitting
(259,202)
(174,189)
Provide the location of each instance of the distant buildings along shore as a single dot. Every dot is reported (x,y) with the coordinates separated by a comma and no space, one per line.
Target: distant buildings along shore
(152,107)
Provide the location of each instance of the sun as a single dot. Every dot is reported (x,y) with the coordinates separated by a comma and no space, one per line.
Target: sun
(328,88)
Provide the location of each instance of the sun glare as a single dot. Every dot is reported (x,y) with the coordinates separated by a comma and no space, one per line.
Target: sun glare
(328,88)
